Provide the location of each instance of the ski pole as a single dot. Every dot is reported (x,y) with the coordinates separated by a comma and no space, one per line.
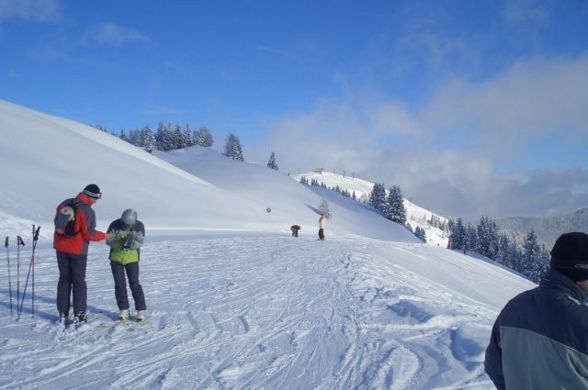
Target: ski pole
(19,242)
(9,282)
(35,239)
(31,266)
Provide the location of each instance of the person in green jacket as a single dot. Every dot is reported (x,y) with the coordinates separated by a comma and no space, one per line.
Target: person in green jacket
(125,238)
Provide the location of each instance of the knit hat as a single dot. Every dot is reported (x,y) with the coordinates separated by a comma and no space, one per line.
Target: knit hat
(92,191)
(570,256)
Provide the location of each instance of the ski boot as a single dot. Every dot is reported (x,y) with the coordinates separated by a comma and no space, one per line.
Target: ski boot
(123,315)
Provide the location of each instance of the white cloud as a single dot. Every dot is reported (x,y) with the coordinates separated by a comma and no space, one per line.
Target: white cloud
(110,34)
(445,153)
(30,10)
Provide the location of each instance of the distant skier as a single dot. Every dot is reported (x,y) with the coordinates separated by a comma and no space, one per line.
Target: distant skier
(126,236)
(75,227)
(295,229)
(540,339)
(321,232)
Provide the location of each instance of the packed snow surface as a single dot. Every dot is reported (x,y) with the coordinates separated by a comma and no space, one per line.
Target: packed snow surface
(233,300)
(267,311)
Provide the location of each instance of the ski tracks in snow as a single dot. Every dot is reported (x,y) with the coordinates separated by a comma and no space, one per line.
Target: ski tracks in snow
(256,312)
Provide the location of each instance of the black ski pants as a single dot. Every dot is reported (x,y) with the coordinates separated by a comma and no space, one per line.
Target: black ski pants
(321,234)
(72,273)
(120,285)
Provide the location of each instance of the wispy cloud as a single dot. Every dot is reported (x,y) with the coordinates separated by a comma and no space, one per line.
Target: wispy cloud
(30,10)
(110,34)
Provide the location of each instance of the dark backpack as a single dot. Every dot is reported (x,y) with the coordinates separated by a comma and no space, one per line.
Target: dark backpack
(65,220)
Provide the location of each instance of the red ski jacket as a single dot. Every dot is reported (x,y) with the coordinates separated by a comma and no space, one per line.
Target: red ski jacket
(85,225)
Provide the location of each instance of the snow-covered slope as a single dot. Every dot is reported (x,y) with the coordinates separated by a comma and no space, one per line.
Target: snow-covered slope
(237,303)
(46,159)
(236,311)
(290,202)
(415,215)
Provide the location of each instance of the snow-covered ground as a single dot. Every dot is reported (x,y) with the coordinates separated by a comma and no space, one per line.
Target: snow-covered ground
(233,300)
(415,214)
(267,311)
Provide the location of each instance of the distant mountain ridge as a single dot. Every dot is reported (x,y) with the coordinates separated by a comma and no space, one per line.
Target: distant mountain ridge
(548,229)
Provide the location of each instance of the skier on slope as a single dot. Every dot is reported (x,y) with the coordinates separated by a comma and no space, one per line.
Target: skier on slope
(126,236)
(540,339)
(295,229)
(75,227)
(321,232)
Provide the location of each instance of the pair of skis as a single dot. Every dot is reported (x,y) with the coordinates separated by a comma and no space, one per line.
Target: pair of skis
(103,322)
(20,243)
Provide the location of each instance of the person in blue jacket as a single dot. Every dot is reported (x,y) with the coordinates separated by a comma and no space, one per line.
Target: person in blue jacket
(540,339)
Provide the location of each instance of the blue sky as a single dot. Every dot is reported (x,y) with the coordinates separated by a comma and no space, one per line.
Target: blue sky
(474,98)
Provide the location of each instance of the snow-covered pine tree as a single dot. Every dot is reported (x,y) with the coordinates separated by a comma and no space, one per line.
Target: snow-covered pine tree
(149,142)
(471,237)
(123,136)
(458,235)
(179,141)
(394,209)
(487,237)
(233,148)
(165,137)
(502,256)
(203,137)
(136,137)
(378,197)
(534,259)
(187,136)
(420,233)
(271,163)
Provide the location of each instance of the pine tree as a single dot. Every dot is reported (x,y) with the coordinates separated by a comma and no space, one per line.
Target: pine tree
(179,141)
(534,259)
(233,148)
(136,138)
(123,136)
(458,235)
(187,136)
(394,209)
(487,237)
(149,142)
(165,137)
(502,256)
(471,238)
(271,163)
(203,137)
(378,197)
(420,233)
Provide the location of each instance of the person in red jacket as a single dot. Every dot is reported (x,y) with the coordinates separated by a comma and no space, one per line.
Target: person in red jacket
(71,245)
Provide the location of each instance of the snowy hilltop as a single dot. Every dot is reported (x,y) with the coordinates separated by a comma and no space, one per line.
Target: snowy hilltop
(233,301)
(198,190)
(416,216)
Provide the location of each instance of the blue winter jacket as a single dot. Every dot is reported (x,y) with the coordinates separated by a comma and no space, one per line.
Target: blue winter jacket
(540,339)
